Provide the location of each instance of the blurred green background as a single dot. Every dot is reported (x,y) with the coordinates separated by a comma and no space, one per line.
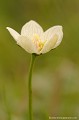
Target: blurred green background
(56,74)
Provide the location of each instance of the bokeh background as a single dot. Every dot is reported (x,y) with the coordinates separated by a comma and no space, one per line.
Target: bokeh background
(56,74)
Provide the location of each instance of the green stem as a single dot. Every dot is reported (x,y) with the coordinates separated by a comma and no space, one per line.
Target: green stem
(30,85)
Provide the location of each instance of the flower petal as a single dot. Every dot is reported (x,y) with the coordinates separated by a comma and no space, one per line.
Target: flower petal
(27,44)
(49,33)
(49,44)
(31,28)
(60,37)
(14,34)
(53,37)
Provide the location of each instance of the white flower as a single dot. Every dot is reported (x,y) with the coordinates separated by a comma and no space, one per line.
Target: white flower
(34,40)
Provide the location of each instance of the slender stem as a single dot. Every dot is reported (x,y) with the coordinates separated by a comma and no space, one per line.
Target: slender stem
(30,85)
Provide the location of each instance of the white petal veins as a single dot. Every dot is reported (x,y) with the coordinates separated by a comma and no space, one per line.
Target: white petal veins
(31,28)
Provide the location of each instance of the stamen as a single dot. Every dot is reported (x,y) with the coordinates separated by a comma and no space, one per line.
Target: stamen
(38,42)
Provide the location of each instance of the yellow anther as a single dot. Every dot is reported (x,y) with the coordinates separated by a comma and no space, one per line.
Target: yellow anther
(38,42)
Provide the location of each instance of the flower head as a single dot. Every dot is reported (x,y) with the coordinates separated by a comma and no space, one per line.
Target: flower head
(34,40)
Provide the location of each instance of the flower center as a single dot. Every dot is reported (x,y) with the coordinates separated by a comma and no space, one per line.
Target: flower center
(38,42)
